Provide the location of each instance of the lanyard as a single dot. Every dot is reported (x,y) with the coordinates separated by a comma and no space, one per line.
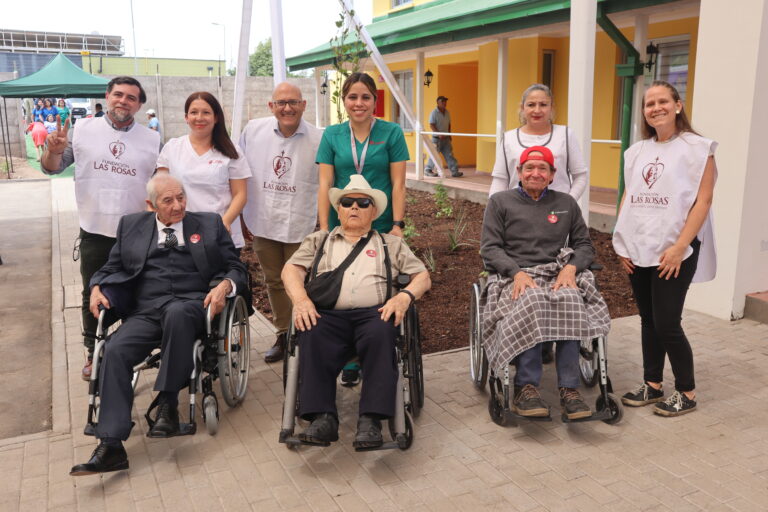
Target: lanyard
(359,165)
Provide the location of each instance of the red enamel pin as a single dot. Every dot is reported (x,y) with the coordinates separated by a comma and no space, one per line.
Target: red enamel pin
(552,218)
(371,253)
(194,238)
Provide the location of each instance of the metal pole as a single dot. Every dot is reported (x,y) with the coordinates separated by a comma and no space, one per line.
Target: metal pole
(5,148)
(417,128)
(6,140)
(224,48)
(278,46)
(501,88)
(242,69)
(133,31)
(389,79)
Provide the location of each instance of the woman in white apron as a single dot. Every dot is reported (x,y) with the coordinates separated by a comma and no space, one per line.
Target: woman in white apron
(664,240)
(213,170)
(537,128)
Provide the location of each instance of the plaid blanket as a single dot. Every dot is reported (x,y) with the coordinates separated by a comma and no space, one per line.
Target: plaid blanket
(512,326)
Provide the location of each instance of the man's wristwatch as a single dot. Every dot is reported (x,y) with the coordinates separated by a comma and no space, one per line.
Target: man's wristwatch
(399,223)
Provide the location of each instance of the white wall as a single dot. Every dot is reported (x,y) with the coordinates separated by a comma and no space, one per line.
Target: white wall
(731,107)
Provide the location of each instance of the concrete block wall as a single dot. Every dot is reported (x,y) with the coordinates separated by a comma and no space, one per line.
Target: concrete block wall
(16,124)
(167,94)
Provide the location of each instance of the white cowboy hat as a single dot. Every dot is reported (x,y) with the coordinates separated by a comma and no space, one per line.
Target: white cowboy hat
(359,185)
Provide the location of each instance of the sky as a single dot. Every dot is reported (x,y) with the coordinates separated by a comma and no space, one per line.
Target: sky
(184,28)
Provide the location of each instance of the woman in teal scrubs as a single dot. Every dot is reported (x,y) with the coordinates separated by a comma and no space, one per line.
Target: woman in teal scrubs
(380,155)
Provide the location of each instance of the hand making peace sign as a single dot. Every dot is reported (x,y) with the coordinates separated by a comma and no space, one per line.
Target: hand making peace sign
(56,141)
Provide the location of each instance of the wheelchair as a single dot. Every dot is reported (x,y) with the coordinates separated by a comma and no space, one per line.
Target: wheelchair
(409,399)
(223,353)
(593,369)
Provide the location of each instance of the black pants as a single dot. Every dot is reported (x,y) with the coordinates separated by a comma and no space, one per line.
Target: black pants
(94,252)
(176,325)
(337,337)
(660,303)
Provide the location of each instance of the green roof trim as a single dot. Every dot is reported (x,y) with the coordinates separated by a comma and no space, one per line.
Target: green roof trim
(446,21)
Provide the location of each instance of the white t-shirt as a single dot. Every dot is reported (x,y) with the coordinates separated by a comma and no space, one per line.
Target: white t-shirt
(205,177)
(662,181)
(112,168)
(503,180)
(282,194)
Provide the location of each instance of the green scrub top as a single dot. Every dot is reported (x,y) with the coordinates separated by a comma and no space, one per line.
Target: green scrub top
(387,145)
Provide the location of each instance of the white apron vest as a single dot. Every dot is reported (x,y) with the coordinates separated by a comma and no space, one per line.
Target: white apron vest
(662,181)
(557,145)
(112,169)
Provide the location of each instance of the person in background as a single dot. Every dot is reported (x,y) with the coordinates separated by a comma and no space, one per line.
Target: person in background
(369,147)
(537,128)
(213,171)
(50,124)
(282,195)
(38,133)
(64,111)
(665,241)
(49,109)
(114,159)
(440,121)
(37,112)
(99,110)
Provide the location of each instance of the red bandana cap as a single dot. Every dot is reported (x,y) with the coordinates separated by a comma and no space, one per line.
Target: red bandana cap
(546,155)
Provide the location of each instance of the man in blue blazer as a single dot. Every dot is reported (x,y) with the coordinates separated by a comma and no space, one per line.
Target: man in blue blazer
(173,264)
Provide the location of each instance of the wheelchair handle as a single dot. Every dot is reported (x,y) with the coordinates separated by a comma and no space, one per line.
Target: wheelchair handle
(595,267)
(208,318)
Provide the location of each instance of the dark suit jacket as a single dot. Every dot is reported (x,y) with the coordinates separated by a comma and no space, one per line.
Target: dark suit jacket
(214,254)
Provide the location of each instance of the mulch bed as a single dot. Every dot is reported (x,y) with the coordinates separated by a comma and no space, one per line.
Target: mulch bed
(446,305)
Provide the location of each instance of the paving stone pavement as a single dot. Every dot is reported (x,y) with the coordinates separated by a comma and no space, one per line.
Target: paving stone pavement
(713,459)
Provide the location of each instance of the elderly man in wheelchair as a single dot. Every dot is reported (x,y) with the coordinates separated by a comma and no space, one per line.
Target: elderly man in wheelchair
(171,265)
(347,307)
(536,246)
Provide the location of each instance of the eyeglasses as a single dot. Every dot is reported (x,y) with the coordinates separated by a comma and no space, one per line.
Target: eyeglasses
(282,103)
(362,202)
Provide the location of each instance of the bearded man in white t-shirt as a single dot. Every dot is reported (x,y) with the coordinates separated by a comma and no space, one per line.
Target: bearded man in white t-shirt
(282,194)
(114,159)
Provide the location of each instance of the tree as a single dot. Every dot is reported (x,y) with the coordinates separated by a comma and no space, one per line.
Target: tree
(260,61)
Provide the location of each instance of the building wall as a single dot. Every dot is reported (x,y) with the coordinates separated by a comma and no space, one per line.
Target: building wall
(151,66)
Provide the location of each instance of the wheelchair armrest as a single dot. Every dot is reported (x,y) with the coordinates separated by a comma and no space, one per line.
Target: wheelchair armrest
(595,267)
(402,280)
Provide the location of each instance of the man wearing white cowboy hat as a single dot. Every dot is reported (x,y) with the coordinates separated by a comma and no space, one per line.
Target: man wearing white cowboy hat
(352,261)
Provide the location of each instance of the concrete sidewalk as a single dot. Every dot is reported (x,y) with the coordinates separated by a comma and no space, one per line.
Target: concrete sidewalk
(713,459)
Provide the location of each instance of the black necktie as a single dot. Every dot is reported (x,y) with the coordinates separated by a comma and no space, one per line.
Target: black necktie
(170,238)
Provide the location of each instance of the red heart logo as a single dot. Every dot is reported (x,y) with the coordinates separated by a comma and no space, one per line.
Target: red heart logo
(652,172)
(281,164)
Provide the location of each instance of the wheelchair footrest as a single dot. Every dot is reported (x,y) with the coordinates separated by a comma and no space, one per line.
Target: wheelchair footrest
(90,429)
(602,415)
(392,445)
(187,429)
(293,442)
(529,418)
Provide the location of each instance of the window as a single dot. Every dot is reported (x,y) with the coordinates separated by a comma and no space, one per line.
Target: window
(548,68)
(671,65)
(404,80)
(399,3)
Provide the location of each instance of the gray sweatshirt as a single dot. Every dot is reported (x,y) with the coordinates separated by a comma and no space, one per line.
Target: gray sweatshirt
(518,232)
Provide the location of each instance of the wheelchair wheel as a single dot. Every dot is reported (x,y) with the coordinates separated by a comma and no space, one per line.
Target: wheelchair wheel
(478,362)
(234,353)
(211,414)
(614,406)
(415,369)
(588,363)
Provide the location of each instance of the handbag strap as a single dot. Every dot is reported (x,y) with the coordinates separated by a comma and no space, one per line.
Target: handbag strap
(347,261)
(388,267)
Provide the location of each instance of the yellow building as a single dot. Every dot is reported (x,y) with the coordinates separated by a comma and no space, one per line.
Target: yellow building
(459,41)
(104,65)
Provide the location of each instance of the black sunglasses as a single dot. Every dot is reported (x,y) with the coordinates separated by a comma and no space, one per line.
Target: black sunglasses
(362,202)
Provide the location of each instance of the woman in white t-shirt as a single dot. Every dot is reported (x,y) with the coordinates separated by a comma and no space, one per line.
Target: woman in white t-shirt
(537,129)
(212,168)
(664,240)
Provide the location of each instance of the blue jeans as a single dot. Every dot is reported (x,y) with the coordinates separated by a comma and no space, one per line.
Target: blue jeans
(529,364)
(444,146)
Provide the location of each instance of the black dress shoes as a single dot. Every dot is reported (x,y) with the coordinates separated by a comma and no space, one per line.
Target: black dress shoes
(167,422)
(277,352)
(104,458)
(368,433)
(323,430)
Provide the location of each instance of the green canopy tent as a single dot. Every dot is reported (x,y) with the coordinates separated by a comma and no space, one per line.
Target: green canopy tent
(60,78)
